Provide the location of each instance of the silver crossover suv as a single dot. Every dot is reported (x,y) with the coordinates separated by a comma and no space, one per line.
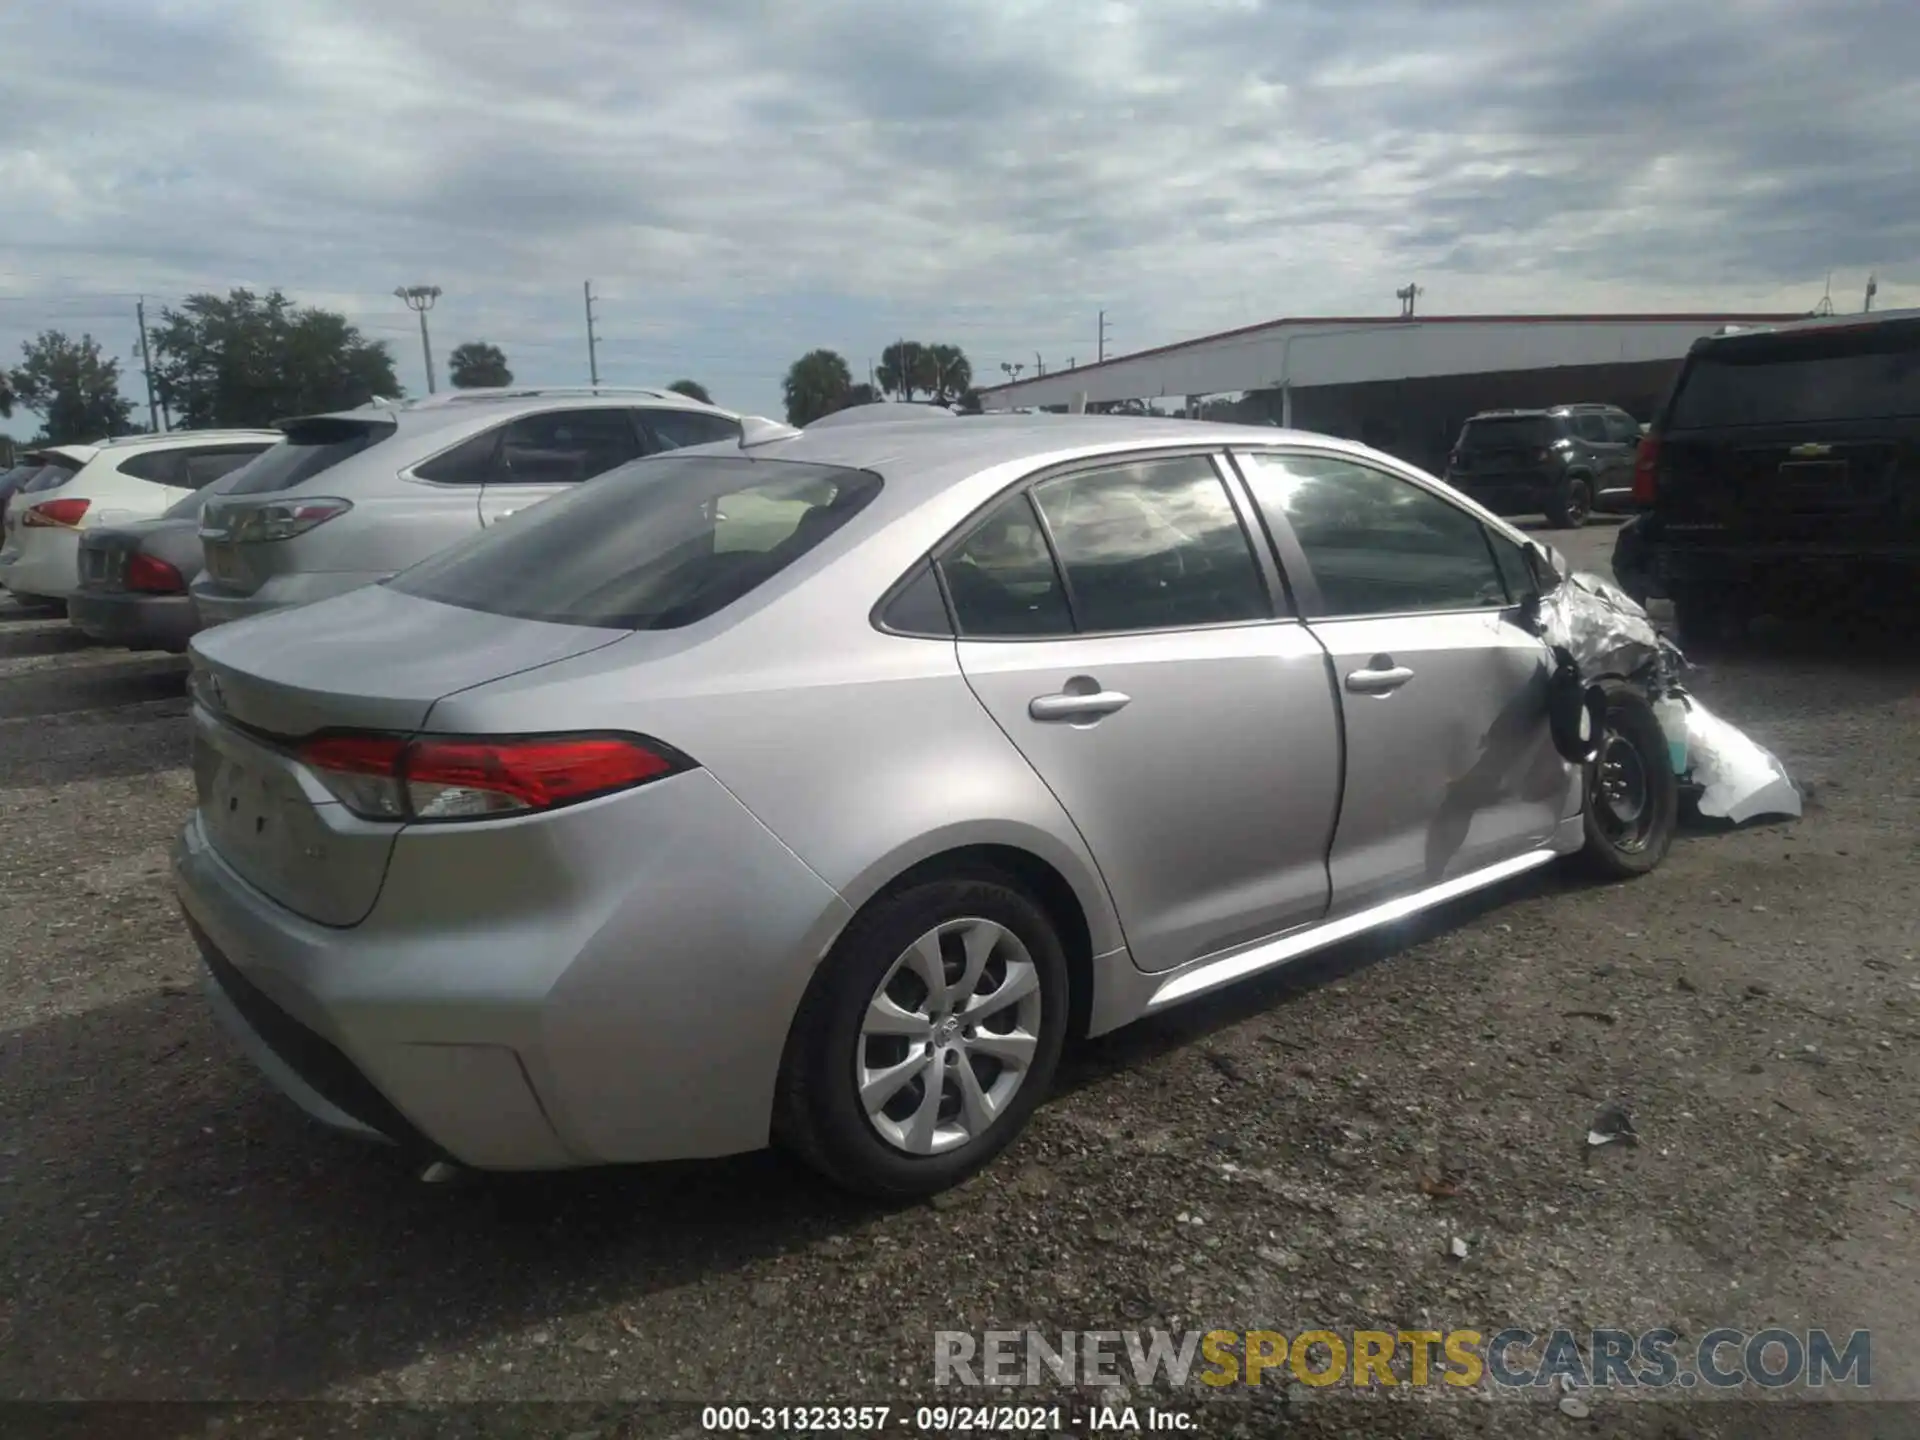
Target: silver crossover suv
(351,498)
(816,786)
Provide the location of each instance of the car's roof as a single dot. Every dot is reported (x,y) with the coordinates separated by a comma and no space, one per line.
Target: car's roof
(1570,408)
(935,453)
(1815,324)
(456,407)
(163,439)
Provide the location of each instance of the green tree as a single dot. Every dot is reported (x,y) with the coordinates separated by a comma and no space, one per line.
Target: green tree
(6,396)
(250,359)
(817,384)
(905,367)
(692,389)
(477,364)
(860,394)
(949,372)
(72,387)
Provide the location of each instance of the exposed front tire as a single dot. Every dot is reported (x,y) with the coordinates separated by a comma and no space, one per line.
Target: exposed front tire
(1570,506)
(1633,795)
(927,1038)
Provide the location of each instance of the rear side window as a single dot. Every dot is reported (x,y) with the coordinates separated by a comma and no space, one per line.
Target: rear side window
(1152,546)
(559,447)
(1868,373)
(1623,429)
(672,429)
(660,545)
(1591,425)
(312,448)
(1001,577)
(203,467)
(1508,432)
(162,467)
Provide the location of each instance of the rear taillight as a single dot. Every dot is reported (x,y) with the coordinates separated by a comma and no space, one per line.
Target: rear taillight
(383,777)
(282,520)
(1646,470)
(153,577)
(63,514)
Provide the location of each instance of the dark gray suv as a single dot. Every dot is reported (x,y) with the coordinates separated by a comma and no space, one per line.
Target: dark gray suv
(1564,463)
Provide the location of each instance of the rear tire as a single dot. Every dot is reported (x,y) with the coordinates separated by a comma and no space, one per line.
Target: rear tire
(1570,507)
(870,1016)
(1633,796)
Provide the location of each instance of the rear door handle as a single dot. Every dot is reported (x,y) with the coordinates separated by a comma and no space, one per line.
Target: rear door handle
(1067,706)
(1381,677)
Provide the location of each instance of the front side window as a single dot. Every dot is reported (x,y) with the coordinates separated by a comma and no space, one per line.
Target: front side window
(1623,429)
(1376,544)
(1590,425)
(1152,545)
(1002,580)
(660,545)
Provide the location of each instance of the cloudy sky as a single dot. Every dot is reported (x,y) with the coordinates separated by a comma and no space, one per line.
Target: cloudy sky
(745,181)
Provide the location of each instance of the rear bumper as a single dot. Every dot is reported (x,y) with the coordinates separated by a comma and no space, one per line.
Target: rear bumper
(1761,562)
(217,604)
(44,561)
(139,622)
(1508,494)
(610,984)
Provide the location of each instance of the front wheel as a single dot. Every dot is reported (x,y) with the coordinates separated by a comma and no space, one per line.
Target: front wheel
(1633,795)
(927,1039)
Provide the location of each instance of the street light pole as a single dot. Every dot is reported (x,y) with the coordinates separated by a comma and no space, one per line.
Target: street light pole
(420,298)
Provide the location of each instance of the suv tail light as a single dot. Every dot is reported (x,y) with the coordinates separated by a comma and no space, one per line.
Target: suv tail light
(1646,470)
(63,514)
(153,577)
(443,777)
(282,520)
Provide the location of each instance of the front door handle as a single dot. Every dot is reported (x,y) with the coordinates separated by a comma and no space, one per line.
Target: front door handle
(1381,677)
(1068,706)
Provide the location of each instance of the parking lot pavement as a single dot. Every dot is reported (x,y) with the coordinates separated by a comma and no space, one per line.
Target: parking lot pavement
(1298,1154)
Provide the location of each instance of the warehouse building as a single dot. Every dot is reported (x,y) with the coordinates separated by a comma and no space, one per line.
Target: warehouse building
(1402,383)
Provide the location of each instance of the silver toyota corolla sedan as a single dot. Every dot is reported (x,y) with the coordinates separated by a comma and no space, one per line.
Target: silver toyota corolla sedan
(815,787)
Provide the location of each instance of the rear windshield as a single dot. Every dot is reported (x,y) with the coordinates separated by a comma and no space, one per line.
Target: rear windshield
(1869,373)
(653,545)
(1508,431)
(52,474)
(311,446)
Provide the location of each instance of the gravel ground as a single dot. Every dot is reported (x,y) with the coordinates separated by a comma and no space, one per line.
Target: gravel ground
(1299,1154)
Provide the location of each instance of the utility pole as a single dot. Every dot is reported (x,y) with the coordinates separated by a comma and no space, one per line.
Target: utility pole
(593,344)
(1103,339)
(1873,289)
(146,365)
(419,299)
(1039,365)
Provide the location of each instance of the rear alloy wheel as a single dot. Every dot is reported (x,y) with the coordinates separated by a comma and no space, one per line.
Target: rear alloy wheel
(1633,795)
(927,1039)
(1569,510)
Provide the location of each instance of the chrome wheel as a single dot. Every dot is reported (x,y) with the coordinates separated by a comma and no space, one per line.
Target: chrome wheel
(1625,808)
(1579,502)
(948,1036)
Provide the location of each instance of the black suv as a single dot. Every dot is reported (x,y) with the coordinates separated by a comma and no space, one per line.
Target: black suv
(1785,458)
(1564,463)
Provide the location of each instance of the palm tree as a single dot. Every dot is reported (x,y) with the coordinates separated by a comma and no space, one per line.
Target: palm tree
(950,373)
(692,389)
(817,384)
(904,368)
(478,364)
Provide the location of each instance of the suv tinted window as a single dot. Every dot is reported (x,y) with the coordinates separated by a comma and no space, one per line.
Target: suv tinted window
(203,467)
(1377,544)
(672,429)
(1151,546)
(1001,577)
(559,447)
(1508,432)
(311,448)
(1592,425)
(1622,429)
(162,467)
(653,548)
(1870,372)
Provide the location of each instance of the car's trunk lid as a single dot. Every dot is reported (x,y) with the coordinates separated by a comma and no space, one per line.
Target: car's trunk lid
(104,553)
(370,660)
